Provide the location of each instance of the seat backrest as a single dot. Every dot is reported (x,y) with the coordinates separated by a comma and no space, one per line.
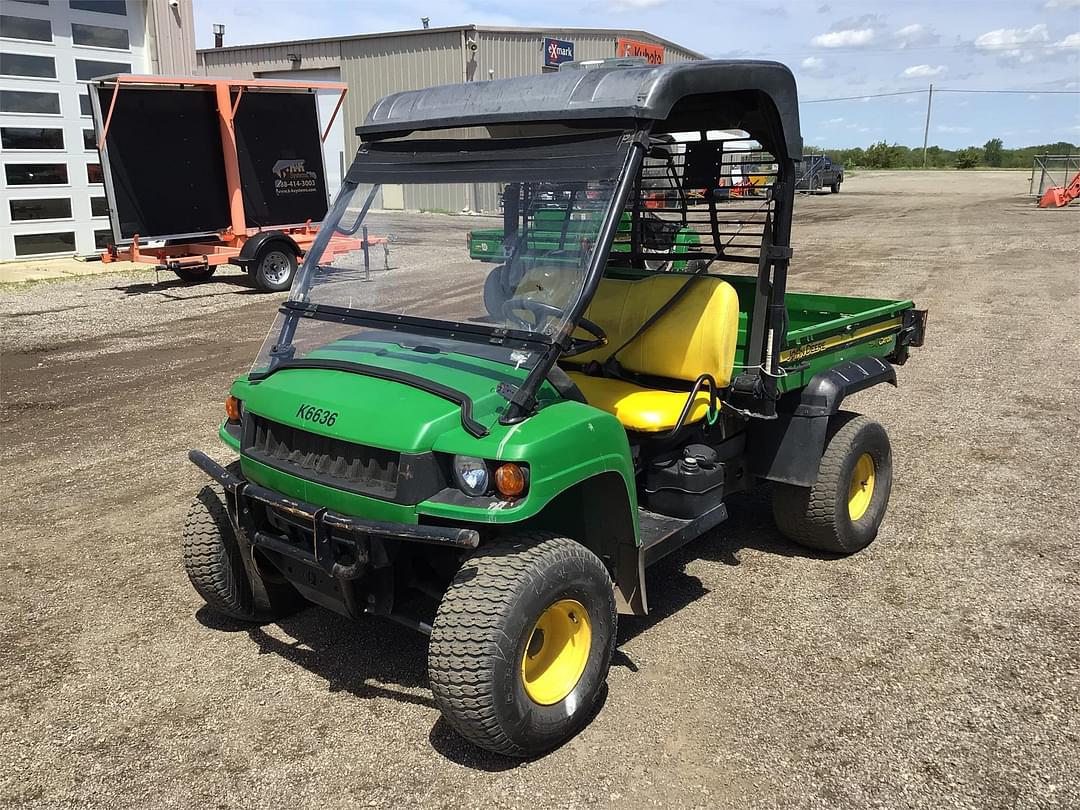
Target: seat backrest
(698,335)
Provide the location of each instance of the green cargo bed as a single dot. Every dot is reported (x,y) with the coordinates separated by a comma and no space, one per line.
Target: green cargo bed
(824,330)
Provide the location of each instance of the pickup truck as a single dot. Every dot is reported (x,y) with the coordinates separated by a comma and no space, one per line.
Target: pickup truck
(816,172)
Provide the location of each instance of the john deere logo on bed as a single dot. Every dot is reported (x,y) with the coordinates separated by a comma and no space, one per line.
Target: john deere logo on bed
(290,177)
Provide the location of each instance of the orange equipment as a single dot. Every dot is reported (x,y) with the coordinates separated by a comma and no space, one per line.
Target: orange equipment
(1060,196)
(203,255)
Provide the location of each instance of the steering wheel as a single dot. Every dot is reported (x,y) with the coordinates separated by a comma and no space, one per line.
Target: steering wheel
(539,309)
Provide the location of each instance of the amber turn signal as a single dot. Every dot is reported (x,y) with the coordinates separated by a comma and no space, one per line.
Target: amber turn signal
(509,480)
(232,408)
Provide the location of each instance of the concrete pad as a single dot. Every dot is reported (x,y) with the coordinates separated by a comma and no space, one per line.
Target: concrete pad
(18,272)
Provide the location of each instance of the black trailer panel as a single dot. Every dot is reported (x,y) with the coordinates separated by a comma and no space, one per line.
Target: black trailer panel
(281,159)
(164,166)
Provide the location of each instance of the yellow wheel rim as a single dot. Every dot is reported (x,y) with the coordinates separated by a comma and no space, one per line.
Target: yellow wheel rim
(861,488)
(556,653)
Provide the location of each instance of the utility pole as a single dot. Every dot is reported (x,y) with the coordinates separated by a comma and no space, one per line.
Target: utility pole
(926,132)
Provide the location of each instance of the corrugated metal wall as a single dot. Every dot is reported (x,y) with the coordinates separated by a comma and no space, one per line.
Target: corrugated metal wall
(521,53)
(172,31)
(247,62)
(375,66)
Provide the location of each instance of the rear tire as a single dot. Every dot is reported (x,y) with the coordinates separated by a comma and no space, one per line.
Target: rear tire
(212,560)
(274,268)
(521,644)
(842,512)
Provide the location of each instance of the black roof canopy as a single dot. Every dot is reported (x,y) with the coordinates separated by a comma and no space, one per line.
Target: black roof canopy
(756,96)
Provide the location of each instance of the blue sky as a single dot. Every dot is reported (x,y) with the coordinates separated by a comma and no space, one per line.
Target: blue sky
(835,47)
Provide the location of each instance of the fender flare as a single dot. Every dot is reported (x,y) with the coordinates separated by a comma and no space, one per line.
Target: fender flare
(256,243)
(788,449)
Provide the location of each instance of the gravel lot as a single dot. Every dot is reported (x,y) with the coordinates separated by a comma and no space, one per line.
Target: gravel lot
(938,668)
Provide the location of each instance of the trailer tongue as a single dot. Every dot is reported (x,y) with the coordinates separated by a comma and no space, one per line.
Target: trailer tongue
(233,174)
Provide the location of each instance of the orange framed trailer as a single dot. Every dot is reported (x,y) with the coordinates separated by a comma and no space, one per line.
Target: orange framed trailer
(166,129)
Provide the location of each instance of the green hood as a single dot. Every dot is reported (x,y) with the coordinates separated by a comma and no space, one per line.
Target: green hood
(383,413)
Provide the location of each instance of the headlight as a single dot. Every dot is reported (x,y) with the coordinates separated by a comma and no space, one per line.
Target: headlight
(471,475)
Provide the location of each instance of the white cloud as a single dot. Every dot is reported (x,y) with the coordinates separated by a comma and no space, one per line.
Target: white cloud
(953,130)
(1061,5)
(832,122)
(1071,42)
(1011,37)
(848,38)
(635,5)
(915,34)
(1020,44)
(814,64)
(923,71)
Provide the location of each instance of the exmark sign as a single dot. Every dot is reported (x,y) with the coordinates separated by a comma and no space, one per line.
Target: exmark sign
(557,51)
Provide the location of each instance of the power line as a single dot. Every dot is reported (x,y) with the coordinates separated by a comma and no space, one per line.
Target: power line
(1021,92)
(939,90)
(864,95)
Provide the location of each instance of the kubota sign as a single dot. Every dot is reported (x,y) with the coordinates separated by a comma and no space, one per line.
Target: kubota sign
(632,47)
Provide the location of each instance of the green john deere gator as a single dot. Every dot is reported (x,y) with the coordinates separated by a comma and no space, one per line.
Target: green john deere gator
(499,471)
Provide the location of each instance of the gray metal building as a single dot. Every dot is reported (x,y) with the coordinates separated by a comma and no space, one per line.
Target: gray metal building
(374,65)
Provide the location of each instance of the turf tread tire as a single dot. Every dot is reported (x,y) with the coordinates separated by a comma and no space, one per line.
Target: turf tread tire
(212,560)
(464,649)
(816,517)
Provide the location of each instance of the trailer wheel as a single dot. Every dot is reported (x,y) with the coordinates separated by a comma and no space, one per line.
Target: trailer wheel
(844,509)
(196,276)
(274,267)
(212,561)
(521,643)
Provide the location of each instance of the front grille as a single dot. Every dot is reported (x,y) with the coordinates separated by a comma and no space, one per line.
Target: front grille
(336,463)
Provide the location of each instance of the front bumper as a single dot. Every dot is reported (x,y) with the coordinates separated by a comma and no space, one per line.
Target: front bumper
(340,546)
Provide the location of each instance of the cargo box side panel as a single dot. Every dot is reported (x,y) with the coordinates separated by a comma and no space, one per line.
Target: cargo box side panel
(281,159)
(165,171)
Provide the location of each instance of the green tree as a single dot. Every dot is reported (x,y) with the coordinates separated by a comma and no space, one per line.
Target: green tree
(992,152)
(968,158)
(882,156)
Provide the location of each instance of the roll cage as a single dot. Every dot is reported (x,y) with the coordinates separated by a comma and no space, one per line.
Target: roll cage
(649,104)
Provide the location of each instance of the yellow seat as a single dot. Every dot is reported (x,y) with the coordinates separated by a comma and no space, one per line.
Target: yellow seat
(698,335)
(648,410)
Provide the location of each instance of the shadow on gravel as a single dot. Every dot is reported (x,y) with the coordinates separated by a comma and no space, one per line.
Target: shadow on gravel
(749,526)
(366,659)
(446,741)
(242,285)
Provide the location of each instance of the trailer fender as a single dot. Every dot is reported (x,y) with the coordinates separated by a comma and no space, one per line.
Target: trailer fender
(788,449)
(256,243)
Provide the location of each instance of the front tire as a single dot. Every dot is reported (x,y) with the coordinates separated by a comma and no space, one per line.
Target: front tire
(835,187)
(522,642)
(843,511)
(213,562)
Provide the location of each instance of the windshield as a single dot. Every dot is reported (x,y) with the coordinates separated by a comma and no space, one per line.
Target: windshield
(478,246)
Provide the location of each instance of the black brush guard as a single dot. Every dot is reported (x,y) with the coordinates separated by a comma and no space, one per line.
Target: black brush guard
(330,531)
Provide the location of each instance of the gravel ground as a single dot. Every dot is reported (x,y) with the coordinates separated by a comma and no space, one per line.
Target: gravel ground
(938,668)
